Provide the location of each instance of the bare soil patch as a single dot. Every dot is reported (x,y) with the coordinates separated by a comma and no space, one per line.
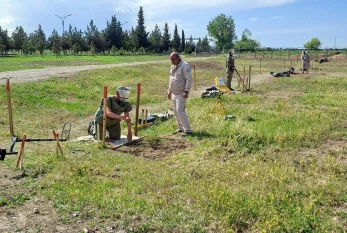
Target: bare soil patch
(156,148)
(22,210)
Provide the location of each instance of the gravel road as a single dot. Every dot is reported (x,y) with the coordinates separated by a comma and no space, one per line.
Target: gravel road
(33,75)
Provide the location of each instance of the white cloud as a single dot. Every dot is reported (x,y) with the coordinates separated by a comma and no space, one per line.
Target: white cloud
(276,17)
(253,19)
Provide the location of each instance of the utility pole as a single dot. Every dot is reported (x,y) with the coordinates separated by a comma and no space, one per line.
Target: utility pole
(335,43)
(62,21)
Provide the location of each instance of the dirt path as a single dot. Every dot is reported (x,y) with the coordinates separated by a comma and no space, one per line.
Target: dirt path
(21,76)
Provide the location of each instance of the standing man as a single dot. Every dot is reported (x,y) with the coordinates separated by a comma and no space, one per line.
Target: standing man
(179,86)
(115,107)
(304,61)
(230,67)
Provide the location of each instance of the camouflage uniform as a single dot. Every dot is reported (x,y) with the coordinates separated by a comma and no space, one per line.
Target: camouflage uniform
(230,67)
(304,62)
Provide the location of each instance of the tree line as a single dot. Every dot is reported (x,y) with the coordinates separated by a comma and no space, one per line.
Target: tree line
(114,40)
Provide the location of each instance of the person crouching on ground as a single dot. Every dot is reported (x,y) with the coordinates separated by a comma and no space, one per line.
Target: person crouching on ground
(179,86)
(115,107)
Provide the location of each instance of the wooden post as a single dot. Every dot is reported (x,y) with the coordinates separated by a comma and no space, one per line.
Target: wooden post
(244,78)
(194,78)
(260,65)
(137,107)
(284,63)
(21,154)
(291,63)
(249,77)
(98,133)
(146,116)
(9,106)
(104,117)
(58,149)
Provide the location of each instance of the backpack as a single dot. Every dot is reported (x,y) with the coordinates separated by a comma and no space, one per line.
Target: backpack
(98,116)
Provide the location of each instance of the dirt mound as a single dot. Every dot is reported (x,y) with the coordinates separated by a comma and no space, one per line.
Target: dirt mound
(339,56)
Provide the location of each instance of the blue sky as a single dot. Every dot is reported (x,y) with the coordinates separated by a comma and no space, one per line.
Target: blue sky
(275,23)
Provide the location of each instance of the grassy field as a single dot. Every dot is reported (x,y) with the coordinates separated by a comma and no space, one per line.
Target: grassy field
(280,166)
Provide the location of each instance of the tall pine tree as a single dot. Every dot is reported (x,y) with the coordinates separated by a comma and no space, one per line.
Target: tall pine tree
(142,35)
(40,40)
(166,38)
(113,33)
(176,42)
(183,43)
(19,36)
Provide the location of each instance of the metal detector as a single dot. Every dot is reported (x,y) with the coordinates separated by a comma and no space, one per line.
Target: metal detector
(241,80)
(3,154)
(65,134)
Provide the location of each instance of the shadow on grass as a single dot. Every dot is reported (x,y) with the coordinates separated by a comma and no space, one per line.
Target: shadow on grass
(202,135)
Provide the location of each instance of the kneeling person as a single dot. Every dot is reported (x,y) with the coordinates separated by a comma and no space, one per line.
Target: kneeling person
(115,107)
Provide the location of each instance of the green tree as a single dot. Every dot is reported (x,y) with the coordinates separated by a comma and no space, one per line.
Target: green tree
(176,41)
(142,35)
(313,44)
(76,48)
(19,36)
(2,46)
(222,31)
(50,39)
(92,49)
(155,39)
(113,33)
(93,37)
(134,40)
(77,37)
(65,44)
(190,45)
(114,50)
(57,48)
(29,45)
(183,43)
(40,40)
(6,42)
(126,40)
(246,44)
(205,41)
(166,38)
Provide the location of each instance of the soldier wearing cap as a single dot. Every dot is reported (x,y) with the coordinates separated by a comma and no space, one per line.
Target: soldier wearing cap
(230,67)
(117,109)
(304,61)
